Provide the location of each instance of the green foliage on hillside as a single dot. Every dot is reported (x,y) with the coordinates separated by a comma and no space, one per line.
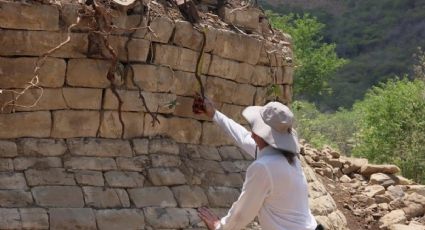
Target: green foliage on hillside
(316,60)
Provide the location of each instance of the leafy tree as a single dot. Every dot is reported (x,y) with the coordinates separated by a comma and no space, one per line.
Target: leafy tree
(392,126)
(316,60)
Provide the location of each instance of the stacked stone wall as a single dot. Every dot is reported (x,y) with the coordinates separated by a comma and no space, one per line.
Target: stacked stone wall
(63,163)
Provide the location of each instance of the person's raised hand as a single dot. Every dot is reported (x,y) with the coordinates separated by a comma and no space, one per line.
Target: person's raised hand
(209,218)
(203,105)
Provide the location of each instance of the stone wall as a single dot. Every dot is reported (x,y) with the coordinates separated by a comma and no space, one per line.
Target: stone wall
(63,162)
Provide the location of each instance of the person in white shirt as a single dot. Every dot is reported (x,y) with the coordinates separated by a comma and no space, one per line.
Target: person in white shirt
(275,188)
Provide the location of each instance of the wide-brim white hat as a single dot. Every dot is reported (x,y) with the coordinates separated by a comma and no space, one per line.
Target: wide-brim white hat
(273,122)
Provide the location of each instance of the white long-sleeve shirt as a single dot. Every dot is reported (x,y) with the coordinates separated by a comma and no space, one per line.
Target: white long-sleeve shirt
(273,189)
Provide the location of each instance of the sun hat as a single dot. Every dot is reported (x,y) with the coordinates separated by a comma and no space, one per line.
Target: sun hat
(273,122)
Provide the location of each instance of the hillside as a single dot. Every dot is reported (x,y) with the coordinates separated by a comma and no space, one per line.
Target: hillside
(378,37)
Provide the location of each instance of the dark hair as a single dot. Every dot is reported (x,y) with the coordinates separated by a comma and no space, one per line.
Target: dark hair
(290,156)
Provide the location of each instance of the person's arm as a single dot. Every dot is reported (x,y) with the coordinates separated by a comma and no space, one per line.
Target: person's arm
(256,188)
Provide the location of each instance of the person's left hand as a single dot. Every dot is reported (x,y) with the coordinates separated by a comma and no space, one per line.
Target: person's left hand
(209,218)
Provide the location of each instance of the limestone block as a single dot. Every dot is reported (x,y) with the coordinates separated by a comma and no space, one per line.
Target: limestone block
(373,190)
(162,29)
(234,112)
(88,73)
(83,98)
(110,126)
(261,96)
(419,189)
(220,90)
(15,198)
(132,101)
(184,130)
(230,153)
(151,78)
(137,164)
(69,14)
(6,165)
(12,181)
(163,146)
(152,196)
(120,219)
(354,164)
(414,210)
(411,226)
(245,73)
(8,149)
(165,160)
(234,180)
(54,196)
(244,95)
(34,218)
(72,218)
(90,163)
(223,68)
(184,109)
(124,179)
(273,54)
(190,196)
(17,72)
(51,176)
(42,147)
(126,23)
(87,177)
(140,146)
(25,124)
(99,147)
(288,75)
(209,153)
(394,217)
(262,75)
(15,15)
(10,218)
(41,99)
(187,36)
(23,163)
(323,205)
(189,151)
(222,196)
(166,217)
(186,84)
(338,219)
(237,47)
(214,136)
(205,166)
(369,169)
(138,49)
(98,197)
(166,176)
(287,93)
(156,127)
(180,58)
(382,179)
(72,123)
(35,43)
(194,219)
(248,18)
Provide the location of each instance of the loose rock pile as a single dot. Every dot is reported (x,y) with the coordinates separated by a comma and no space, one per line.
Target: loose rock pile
(377,192)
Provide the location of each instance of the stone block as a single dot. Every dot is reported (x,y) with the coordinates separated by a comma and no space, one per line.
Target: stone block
(42,147)
(23,163)
(151,78)
(156,127)
(245,73)
(234,112)
(72,123)
(287,93)
(237,47)
(14,15)
(15,198)
(8,149)
(83,98)
(87,177)
(203,167)
(58,196)
(184,130)
(234,180)
(10,218)
(138,49)
(165,160)
(244,95)
(187,36)
(162,29)
(209,153)
(98,197)
(369,169)
(152,196)
(51,176)
(6,165)
(220,90)
(166,176)
(40,99)
(262,75)
(35,43)
(288,75)
(190,196)
(34,218)
(17,72)
(180,58)
(88,73)
(132,102)
(124,179)
(69,14)
(137,164)
(110,126)
(127,23)
(186,84)
(25,124)
(166,218)
(222,196)
(223,68)
(213,135)
(184,109)
(163,146)
(90,163)
(9,180)
(248,18)
(72,218)
(323,205)
(140,146)
(120,219)
(99,147)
